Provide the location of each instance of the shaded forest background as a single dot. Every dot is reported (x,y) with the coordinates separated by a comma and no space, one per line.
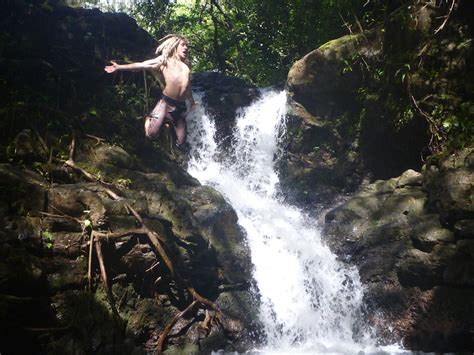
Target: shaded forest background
(254,40)
(259,41)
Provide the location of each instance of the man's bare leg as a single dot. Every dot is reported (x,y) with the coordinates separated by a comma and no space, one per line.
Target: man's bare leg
(180,129)
(155,120)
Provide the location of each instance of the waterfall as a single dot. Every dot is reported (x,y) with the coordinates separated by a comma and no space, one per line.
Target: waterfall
(310,301)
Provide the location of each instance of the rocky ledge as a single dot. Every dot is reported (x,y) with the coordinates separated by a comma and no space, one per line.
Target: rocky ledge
(45,243)
(412,238)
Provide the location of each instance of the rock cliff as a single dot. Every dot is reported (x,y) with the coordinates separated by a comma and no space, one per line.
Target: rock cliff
(115,187)
(358,133)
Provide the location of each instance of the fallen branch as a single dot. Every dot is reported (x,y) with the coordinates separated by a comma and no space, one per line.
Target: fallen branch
(98,140)
(118,235)
(62,215)
(89,264)
(169,326)
(103,272)
(47,330)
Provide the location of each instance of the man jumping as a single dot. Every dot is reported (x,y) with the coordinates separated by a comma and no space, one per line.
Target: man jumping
(172,66)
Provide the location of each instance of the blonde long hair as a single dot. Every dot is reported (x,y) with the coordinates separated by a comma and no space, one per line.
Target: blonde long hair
(169,46)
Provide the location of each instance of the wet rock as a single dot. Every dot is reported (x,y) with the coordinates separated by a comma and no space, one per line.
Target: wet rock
(420,269)
(410,178)
(217,222)
(79,201)
(60,223)
(448,183)
(244,307)
(464,228)
(50,257)
(186,349)
(66,274)
(323,158)
(70,244)
(139,259)
(112,155)
(29,147)
(460,269)
(120,224)
(317,75)
(409,260)
(107,335)
(22,191)
(20,271)
(428,232)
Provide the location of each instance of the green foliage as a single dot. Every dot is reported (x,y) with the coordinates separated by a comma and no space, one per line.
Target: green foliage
(152,15)
(48,239)
(254,40)
(422,75)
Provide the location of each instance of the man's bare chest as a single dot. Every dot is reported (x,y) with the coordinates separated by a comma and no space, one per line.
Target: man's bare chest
(176,70)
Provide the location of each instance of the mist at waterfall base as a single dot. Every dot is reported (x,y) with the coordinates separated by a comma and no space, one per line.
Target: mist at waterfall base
(310,302)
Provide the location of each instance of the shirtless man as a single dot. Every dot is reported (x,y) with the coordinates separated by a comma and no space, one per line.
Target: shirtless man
(173,64)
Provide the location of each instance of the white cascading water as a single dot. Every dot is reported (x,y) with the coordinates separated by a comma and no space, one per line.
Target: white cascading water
(310,301)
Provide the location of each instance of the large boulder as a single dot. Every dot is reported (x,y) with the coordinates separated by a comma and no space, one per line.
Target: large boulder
(411,261)
(449,185)
(323,79)
(323,158)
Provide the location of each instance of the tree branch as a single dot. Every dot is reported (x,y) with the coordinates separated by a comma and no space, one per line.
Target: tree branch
(169,326)
(446,18)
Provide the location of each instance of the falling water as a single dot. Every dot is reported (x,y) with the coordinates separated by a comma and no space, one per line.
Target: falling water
(310,301)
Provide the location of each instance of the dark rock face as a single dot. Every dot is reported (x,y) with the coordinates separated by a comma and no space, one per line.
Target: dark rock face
(356,114)
(417,265)
(316,80)
(48,210)
(410,236)
(449,186)
(50,252)
(323,153)
(223,96)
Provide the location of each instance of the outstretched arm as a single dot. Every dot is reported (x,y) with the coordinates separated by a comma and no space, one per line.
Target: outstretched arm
(147,64)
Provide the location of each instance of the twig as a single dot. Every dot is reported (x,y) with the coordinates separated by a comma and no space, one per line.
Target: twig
(41,140)
(433,127)
(227,21)
(118,235)
(47,330)
(89,264)
(103,272)
(361,29)
(207,320)
(446,17)
(169,326)
(98,139)
(153,266)
(62,215)
(72,147)
(346,24)
(147,108)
